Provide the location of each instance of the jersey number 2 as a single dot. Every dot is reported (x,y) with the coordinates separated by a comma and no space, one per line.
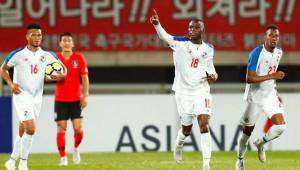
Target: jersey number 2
(33,69)
(195,62)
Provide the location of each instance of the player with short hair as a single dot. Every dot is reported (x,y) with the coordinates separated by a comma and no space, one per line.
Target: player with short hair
(194,70)
(69,98)
(29,65)
(261,94)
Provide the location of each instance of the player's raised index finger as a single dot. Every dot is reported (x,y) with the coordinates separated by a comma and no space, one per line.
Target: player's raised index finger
(155,13)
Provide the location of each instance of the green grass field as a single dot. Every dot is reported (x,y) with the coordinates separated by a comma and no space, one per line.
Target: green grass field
(162,161)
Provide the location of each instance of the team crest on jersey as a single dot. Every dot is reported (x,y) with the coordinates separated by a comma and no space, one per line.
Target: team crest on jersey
(204,54)
(43,58)
(25,113)
(75,63)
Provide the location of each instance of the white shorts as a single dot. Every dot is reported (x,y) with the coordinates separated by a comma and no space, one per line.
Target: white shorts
(190,106)
(269,106)
(27,106)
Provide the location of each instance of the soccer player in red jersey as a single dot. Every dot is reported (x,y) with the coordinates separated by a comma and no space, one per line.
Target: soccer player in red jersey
(69,98)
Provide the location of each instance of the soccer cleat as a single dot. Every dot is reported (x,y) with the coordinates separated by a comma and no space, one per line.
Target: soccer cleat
(10,165)
(239,165)
(63,161)
(206,167)
(76,156)
(260,150)
(178,153)
(23,165)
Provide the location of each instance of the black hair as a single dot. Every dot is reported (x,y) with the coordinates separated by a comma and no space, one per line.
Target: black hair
(33,26)
(65,34)
(271,27)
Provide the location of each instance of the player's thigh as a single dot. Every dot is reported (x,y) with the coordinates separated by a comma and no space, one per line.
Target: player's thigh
(75,110)
(61,111)
(37,109)
(251,114)
(202,104)
(24,111)
(272,106)
(24,105)
(185,109)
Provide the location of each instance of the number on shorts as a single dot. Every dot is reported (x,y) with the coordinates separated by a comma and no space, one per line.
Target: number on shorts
(207,103)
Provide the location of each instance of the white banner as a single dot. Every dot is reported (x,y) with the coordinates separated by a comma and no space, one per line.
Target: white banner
(150,123)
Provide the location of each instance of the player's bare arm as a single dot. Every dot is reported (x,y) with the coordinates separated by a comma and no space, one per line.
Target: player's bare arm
(252,77)
(85,91)
(14,87)
(154,19)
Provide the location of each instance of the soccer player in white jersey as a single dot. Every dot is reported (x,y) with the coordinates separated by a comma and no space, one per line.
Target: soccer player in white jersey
(29,65)
(194,70)
(261,95)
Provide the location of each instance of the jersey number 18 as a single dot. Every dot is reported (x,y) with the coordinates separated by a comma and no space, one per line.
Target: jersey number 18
(195,62)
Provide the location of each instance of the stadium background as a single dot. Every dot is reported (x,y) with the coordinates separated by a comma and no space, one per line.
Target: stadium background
(131,70)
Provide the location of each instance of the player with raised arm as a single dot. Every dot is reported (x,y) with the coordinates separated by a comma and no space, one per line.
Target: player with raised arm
(261,95)
(69,98)
(29,65)
(194,70)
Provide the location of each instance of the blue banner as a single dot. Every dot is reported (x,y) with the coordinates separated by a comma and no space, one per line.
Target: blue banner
(6,124)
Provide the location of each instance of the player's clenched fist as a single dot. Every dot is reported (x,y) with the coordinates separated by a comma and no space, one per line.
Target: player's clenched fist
(154,18)
(279,75)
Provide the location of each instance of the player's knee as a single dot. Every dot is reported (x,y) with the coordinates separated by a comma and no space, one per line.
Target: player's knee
(248,130)
(186,132)
(204,128)
(61,128)
(30,131)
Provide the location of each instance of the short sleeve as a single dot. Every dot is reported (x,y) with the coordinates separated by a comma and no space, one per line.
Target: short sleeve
(52,57)
(11,59)
(83,66)
(253,58)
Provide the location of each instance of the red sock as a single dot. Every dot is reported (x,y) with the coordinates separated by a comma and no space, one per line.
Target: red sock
(61,143)
(78,138)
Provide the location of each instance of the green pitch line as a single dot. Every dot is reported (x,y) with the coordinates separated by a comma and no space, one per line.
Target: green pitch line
(162,161)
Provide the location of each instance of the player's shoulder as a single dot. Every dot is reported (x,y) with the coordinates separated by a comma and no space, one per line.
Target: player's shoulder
(181,38)
(14,53)
(208,45)
(78,56)
(279,50)
(48,53)
(256,51)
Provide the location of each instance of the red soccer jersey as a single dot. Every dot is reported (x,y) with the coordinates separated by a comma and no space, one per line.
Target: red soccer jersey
(69,89)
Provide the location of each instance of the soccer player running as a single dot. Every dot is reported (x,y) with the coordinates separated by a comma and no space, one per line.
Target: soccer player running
(261,94)
(29,65)
(194,70)
(69,99)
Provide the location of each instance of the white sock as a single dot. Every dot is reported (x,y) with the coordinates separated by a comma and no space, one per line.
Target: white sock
(242,144)
(26,143)
(206,147)
(16,149)
(180,138)
(274,132)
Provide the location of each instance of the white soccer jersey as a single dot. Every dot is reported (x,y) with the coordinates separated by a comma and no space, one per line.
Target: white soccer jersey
(192,63)
(29,69)
(263,63)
